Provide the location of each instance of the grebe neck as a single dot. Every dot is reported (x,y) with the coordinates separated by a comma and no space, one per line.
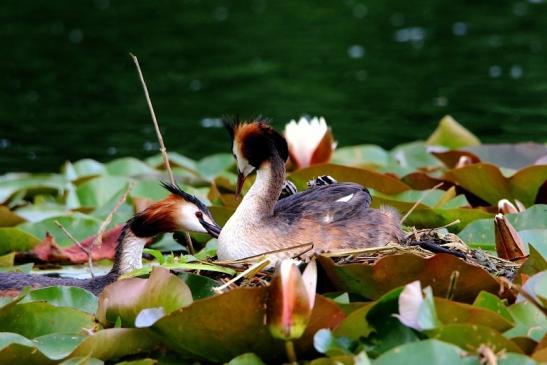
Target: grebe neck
(129,250)
(260,200)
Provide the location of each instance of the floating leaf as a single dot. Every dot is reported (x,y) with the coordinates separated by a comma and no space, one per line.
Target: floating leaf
(88,167)
(16,239)
(471,336)
(100,190)
(126,298)
(389,272)
(408,157)
(513,156)
(211,166)
(246,359)
(493,303)
(64,296)
(488,183)
(429,351)
(452,134)
(450,312)
(32,184)
(129,166)
(326,343)
(355,325)
(368,178)
(9,218)
(79,225)
(529,321)
(38,318)
(195,330)
(361,156)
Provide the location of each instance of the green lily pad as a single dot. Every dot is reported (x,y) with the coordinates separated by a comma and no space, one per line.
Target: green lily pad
(360,156)
(7,260)
(408,157)
(493,303)
(39,318)
(452,134)
(80,225)
(389,272)
(416,353)
(39,212)
(88,167)
(368,178)
(175,160)
(212,166)
(470,336)
(82,360)
(533,222)
(98,191)
(529,321)
(354,325)
(64,296)
(150,189)
(31,183)
(246,359)
(513,156)
(129,166)
(16,239)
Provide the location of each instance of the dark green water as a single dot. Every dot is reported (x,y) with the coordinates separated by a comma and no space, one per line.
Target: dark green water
(380,71)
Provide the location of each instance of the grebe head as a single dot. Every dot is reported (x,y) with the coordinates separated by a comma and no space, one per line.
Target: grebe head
(178,212)
(254,143)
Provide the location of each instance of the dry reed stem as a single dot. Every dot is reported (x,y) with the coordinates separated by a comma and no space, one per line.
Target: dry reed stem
(418,202)
(160,141)
(87,251)
(99,238)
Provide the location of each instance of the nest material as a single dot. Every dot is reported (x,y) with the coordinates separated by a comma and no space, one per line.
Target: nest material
(424,243)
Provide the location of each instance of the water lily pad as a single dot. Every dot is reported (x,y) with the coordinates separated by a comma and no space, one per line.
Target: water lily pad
(534,218)
(488,182)
(64,296)
(368,178)
(450,312)
(88,167)
(389,272)
(211,166)
(493,303)
(79,225)
(39,318)
(16,239)
(452,134)
(126,298)
(436,352)
(129,166)
(529,321)
(9,218)
(100,190)
(408,157)
(471,336)
(194,331)
(31,183)
(360,156)
(513,156)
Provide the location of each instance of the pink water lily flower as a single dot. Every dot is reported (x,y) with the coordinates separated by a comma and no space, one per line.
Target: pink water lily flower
(310,141)
(291,299)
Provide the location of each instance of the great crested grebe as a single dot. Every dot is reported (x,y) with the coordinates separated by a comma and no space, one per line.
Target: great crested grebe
(332,216)
(179,211)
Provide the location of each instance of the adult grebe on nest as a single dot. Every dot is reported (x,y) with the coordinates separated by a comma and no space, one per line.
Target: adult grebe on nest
(333,216)
(179,211)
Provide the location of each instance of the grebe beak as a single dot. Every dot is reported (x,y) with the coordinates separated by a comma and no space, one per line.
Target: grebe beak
(212,228)
(240,180)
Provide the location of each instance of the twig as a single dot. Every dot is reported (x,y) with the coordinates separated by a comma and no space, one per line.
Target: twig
(99,238)
(253,268)
(160,140)
(419,202)
(254,257)
(520,290)
(87,251)
(156,126)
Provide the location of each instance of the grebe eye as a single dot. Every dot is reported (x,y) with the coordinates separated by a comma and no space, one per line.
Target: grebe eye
(199,215)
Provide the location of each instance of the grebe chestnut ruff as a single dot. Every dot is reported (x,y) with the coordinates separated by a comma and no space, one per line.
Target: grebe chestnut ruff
(332,216)
(179,211)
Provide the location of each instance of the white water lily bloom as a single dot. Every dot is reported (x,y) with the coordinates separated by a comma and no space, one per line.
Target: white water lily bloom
(310,141)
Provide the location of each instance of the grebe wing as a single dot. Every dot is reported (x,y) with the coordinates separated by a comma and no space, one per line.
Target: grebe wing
(326,203)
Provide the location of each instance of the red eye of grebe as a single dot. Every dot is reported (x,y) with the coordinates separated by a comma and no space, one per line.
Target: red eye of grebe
(199,215)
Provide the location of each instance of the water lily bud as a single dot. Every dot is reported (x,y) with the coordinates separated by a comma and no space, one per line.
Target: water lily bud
(310,141)
(506,207)
(509,246)
(463,161)
(290,302)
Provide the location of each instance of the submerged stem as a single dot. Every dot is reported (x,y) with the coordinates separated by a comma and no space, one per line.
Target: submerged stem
(291,354)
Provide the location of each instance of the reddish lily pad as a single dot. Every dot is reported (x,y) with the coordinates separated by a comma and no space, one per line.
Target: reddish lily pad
(210,328)
(389,272)
(487,182)
(124,299)
(368,178)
